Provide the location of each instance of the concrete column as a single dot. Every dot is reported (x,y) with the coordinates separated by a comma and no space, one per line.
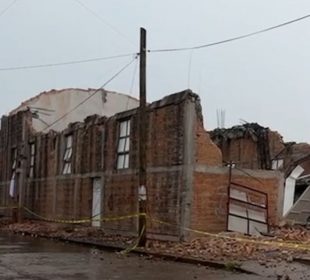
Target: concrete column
(188,169)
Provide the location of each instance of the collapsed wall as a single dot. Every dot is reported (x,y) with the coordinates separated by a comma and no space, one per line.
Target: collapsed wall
(249,145)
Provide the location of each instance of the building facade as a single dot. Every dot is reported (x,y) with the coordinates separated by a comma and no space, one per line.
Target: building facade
(255,147)
(91,170)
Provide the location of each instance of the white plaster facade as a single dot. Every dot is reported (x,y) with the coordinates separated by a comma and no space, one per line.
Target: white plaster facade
(51,106)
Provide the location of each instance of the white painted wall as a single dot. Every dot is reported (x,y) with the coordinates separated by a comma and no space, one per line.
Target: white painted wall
(289,191)
(103,103)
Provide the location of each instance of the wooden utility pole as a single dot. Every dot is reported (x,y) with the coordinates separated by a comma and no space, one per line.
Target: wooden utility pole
(142,140)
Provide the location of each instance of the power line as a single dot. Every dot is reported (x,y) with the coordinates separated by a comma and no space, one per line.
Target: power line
(99,17)
(90,96)
(190,60)
(132,84)
(248,174)
(26,67)
(133,78)
(8,7)
(234,38)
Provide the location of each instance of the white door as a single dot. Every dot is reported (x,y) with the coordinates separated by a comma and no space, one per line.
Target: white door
(97,191)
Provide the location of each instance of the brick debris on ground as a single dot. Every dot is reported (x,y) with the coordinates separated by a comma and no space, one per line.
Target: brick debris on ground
(67,232)
(228,249)
(205,248)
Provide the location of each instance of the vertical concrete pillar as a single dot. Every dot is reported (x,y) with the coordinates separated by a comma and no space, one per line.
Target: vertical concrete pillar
(56,171)
(188,163)
(76,195)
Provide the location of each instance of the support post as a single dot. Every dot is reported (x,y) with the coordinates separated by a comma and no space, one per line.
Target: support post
(142,141)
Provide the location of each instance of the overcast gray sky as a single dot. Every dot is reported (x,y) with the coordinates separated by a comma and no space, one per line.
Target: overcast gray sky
(262,79)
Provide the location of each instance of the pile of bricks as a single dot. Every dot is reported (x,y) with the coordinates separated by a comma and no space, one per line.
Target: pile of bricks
(236,247)
(67,232)
(225,247)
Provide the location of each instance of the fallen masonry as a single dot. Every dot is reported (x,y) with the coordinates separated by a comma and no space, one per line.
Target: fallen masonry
(286,243)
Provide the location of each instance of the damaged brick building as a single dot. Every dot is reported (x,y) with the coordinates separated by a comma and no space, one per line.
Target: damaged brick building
(249,146)
(90,169)
(255,147)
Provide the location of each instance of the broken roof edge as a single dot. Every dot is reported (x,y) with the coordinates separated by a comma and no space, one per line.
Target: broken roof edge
(88,121)
(60,91)
(239,131)
(174,98)
(295,163)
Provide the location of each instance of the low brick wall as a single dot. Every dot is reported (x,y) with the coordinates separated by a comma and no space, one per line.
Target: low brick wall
(210,195)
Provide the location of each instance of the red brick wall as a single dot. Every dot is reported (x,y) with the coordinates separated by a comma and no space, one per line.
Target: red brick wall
(165,156)
(60,198)
(120,199)
(54,195)
(276,144)
(244,149)
(210,191)
(166,136)
(165,190)
(11,137)
(206,151)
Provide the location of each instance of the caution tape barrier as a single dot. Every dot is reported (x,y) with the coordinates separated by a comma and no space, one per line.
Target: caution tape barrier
(280,244)
(87,220)
(125,217)
(135,244)
(284,244)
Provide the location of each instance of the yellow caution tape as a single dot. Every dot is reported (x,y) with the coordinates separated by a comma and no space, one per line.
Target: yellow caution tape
(87,220)
(284,244)
(135,245)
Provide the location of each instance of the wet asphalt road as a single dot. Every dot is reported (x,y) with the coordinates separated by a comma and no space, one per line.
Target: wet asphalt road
(25,258)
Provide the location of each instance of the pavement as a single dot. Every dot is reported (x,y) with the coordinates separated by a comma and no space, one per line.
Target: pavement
(25,258)
(278,269)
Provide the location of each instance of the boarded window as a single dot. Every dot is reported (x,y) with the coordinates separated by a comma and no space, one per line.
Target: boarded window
(123,145)
(67,159)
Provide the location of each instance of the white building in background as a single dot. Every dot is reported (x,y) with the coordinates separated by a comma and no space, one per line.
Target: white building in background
(55,109)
